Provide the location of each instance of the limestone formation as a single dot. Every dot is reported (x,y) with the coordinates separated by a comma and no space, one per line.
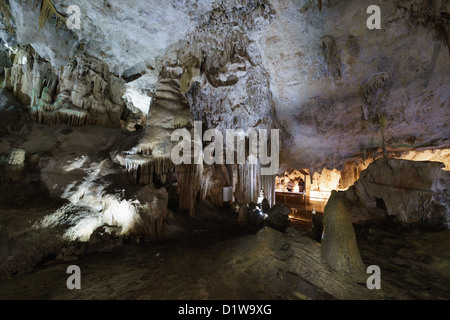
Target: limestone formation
(152,210)
(97,139)
(243,216)
(414,192)
(80,93)
(215,178)
(278,217)
(191,72)
(339,248)
(189,184)
(329,52)
(17,157)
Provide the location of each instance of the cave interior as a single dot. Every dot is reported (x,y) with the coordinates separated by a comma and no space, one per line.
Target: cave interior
(235,149)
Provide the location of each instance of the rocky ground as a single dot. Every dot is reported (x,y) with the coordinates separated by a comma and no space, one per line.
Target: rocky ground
(415,261)
(211,257)
(202,262)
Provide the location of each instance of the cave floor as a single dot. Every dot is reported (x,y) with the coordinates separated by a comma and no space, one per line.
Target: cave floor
(202,263)
(213,258)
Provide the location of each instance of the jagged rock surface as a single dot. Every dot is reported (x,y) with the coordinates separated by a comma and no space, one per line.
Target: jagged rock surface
(278,217)
(414,192)
(338,247)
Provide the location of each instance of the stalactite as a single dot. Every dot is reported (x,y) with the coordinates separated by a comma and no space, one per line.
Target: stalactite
(215,178)
(143,170)
(249,183)
(47,12)
(84,87)
(268,186)
(189,183)
(58,117)
(152,211)
(370,88)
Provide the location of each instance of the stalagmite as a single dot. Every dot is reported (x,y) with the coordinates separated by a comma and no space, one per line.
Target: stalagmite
(152,210)
(339,248)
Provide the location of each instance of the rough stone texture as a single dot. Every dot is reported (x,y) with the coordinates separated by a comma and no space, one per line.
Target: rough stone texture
(413,192)
(81,92)
(152,210)
(14,114)
(17,157)
(265,205)
(332,117)
(339,248)
(302,256)
(321,76)
(278,217)
(215,178)
(189,184)
(337,90)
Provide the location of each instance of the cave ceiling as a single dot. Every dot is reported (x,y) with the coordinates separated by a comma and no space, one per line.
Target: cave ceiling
(317,73)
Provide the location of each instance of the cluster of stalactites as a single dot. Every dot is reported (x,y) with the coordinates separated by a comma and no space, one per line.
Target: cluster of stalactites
(144,171)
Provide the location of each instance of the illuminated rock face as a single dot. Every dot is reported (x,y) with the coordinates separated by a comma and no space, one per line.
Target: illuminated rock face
(332,86)
(414,192)
(80,93)
(322,77)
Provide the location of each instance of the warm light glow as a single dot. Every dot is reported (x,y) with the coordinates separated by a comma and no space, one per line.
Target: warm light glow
(320,195)
(440,155)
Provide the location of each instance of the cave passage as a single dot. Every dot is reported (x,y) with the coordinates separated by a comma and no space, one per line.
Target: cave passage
(232,149)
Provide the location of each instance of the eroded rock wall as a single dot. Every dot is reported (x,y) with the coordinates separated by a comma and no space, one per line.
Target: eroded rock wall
(415,193)
(80,93)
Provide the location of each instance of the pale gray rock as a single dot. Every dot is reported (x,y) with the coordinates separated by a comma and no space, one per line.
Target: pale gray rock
(414,192)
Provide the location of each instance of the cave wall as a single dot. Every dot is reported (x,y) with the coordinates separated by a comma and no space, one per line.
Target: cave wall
(337,90)
(413,192)
(82,92)
(319,98)
(321,76)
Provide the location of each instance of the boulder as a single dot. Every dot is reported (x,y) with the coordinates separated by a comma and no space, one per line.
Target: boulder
(256,218)
(265,205)
(414,192)
(17,157)
(278,217)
